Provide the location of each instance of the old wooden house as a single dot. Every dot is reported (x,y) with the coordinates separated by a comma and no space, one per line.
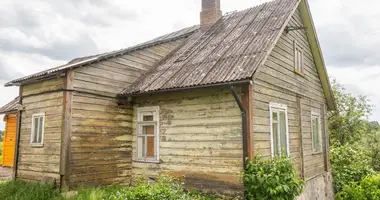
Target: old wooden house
(192,104)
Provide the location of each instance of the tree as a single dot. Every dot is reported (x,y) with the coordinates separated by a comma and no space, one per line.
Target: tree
(1,135)
(349,123)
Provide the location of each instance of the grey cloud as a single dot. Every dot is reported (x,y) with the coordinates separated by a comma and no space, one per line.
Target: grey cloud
(7,73)
(87,12)
(353,40)
(84,45)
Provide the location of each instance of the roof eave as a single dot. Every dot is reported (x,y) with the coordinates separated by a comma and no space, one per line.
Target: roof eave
(136,94)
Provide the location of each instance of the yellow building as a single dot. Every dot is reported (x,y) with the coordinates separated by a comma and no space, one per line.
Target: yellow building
(9,140)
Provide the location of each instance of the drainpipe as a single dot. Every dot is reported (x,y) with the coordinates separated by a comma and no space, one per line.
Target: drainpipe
(244,129)
(18,131)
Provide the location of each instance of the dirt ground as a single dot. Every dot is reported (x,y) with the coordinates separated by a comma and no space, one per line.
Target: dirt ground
(5,173)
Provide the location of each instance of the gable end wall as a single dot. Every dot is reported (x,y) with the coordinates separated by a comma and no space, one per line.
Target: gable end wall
(41,163)
(101,133)
(277,82)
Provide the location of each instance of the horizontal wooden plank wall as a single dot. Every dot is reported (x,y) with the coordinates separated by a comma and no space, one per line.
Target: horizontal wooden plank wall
(200,138)
(277,82)
(101,128)
(36,164)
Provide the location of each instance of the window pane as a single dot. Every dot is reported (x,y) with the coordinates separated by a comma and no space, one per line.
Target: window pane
(140,147)
(41,126)
(275,138)
(35,130)
(148,130)
(148,118)
(150,147)
(301,61)
(283,136)
(314,132)
(274,117)
(316,135)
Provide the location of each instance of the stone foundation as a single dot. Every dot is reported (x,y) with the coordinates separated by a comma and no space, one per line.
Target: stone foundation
(319,188)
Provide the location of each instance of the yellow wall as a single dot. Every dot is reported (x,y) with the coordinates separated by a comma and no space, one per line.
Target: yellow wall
(9,140)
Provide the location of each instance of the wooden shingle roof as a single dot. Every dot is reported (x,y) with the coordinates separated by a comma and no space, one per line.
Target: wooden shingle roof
(231,50)
(10,107)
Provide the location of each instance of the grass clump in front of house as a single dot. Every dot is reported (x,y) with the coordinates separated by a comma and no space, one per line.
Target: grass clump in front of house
(20,190)
(164,188)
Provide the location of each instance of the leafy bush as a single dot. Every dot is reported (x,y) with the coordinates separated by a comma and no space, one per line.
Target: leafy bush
(272,179)
(369,188)
(19,190)
(350,165)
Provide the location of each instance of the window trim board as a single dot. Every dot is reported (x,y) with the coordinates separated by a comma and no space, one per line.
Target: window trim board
(139,122)
(284,107)
(34,144)
(318,115)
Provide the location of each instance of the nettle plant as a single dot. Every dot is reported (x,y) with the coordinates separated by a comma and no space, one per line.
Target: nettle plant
(272,179)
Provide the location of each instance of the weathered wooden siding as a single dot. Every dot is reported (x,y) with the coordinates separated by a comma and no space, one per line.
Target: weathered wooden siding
(200,138)
(37,163)
(101,128)
(277,82)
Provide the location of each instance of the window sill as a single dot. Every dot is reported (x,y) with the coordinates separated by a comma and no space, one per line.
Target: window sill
(299,73)
(148,161)
(317,152)
(37,145)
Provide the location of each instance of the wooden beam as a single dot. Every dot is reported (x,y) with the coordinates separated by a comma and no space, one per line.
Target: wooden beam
(66,131)
(247,100)
(325,136)
(299,109)
(18,133)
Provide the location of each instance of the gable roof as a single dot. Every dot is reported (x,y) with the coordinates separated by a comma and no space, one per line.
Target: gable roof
(10,107)
(231,50)
(78,62)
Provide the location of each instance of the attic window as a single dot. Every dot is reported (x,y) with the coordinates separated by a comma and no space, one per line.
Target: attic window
(147,141)
(298,59)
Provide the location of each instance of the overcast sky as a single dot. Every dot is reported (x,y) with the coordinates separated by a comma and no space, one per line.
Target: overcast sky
(40,34)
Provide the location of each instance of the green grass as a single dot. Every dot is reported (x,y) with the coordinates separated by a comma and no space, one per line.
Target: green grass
(19,190)
(164,188)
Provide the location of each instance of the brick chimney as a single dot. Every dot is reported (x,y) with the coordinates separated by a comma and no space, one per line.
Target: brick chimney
(211,12)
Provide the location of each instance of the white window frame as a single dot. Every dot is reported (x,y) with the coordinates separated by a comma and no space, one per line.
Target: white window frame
(318,116)
(298,48)
(37,144)
(156,123)
(272,107)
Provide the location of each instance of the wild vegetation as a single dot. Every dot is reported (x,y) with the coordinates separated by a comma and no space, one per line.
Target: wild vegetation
(355,147)
(163,188)
(272,179)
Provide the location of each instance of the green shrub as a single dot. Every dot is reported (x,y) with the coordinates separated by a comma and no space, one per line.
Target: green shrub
(368,189)
(273,179)
(350,165)
(19,190)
